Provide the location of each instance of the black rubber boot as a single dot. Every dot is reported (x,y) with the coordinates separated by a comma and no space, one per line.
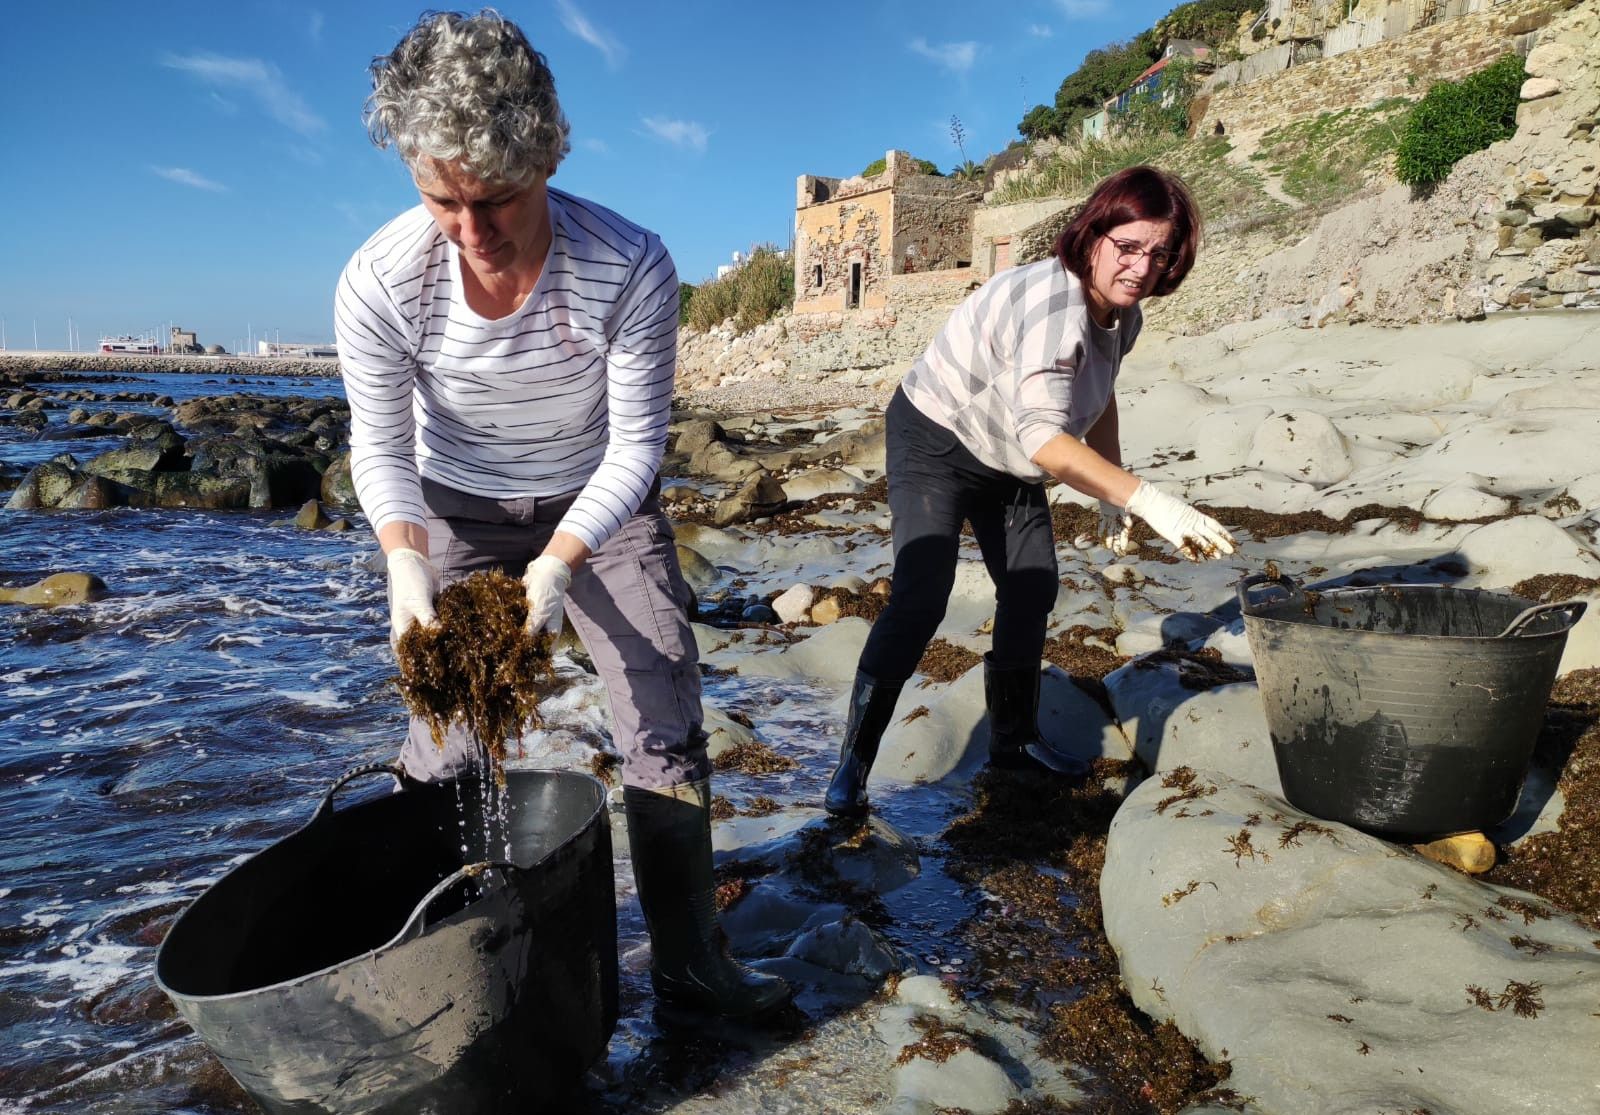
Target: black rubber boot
(669,836)
(1012,694)
(871,708)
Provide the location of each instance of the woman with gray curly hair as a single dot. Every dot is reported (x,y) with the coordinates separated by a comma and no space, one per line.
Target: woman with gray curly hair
(508,351)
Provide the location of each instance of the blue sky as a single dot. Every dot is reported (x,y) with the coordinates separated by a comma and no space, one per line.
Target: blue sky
(205,163)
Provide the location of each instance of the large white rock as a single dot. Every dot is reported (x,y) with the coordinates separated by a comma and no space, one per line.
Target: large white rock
(1512,550)
(1337,970)
(1464,499)
(827,654)
(794,604)
(1222,438)
(1582,651)
(1303,445)
(1173,725)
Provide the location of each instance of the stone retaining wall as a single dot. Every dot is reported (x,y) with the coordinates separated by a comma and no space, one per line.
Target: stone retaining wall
(1402,67)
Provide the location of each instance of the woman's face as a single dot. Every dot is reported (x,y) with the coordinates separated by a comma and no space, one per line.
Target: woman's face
(498,227)
(1125,266)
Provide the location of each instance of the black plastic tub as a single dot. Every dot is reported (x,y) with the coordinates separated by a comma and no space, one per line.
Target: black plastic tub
(1410,711)
(388,957)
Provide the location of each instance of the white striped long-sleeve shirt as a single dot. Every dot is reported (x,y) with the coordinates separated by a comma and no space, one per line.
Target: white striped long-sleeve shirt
(1019,362)
(571,393)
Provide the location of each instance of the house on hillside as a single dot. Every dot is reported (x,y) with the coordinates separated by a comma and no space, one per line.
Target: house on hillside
(852,235)
(1154,80)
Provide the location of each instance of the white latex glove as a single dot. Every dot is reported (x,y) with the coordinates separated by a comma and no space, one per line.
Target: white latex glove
(412,586)
(547,581)
(1115,530)
(1194,534)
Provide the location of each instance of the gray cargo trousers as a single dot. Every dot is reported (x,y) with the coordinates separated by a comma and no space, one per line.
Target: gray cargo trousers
(627,603)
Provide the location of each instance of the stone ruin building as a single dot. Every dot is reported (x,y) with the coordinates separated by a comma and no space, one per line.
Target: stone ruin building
(852,235)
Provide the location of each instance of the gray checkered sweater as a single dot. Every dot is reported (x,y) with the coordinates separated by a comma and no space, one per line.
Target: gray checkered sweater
(1020,361)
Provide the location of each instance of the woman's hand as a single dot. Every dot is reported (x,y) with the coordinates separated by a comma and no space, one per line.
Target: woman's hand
(412,586)
(1194,534)
(1116,529)
(546,581)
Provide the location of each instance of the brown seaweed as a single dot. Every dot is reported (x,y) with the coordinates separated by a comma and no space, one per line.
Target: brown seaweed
(476,667)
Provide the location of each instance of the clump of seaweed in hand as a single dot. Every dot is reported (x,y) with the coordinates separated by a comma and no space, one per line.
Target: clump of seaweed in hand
(476,667)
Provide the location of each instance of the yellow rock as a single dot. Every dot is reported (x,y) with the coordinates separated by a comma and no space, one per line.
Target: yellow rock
(57,589)
(1470,852)
(825,611)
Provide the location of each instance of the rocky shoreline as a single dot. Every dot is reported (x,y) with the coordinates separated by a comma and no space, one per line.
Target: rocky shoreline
(1132,929)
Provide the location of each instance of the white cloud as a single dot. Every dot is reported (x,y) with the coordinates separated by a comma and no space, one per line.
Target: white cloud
(314,27)
(603,41)
(597,146)
(680,133)
(1040,31)
(183,176)
(955,57)
(1084,9)
(259,79)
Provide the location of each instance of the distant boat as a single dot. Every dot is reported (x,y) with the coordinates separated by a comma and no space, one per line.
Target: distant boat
(131,346)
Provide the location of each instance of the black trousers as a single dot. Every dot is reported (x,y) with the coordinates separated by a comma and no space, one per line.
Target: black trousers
(936,485)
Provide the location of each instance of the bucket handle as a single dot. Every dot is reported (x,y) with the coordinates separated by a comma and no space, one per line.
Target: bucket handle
(1254,580)
(417,923)
(325,807)
(1516,627)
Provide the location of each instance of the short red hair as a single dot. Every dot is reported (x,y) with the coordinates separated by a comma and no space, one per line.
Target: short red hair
(1139,193)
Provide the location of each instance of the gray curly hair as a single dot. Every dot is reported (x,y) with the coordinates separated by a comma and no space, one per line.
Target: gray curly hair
(471,90)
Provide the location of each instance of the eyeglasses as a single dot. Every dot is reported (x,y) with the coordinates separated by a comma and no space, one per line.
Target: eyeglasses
(1129,253)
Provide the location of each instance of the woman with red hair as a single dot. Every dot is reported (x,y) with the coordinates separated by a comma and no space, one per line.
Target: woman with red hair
(1017,389)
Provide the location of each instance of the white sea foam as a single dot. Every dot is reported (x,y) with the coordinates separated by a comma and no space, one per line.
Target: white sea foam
(326,697)
(146,702)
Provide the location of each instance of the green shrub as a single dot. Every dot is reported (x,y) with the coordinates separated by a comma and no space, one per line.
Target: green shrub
(685,296)
(878,166)
(1457,118)
(1213,22)
(760,289)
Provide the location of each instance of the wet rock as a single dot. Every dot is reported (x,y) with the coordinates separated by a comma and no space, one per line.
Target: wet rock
(43,486)
(723,732)
(699,572)
(758,613)
(205,491)
(277,474)
(57,590)
(1260,930)
(154,455)
(311,516)
(827,654)
(338,526)
(92,493)
(760,496)
(848,947)
(337,489)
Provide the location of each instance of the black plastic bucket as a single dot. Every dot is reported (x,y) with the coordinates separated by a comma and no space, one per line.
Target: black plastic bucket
(388,958)
(1405,710)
